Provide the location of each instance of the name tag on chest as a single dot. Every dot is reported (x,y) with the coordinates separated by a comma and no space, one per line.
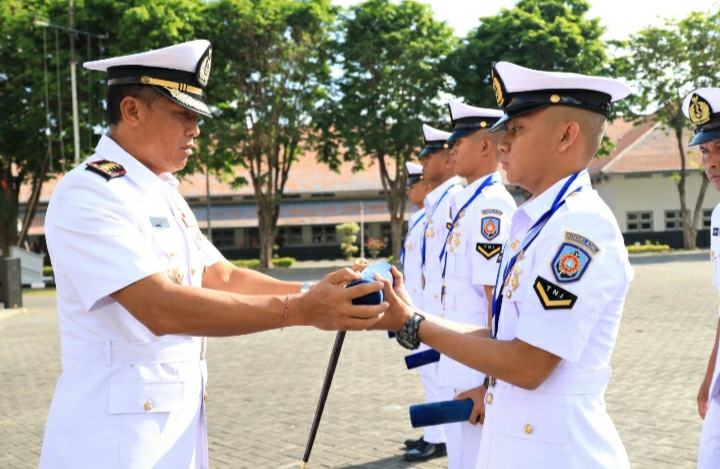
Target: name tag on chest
(160,222)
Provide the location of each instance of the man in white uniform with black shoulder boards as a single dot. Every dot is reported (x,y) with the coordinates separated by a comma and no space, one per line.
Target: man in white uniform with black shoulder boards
(559,297)
(702,107)
(479,222)
(139,287)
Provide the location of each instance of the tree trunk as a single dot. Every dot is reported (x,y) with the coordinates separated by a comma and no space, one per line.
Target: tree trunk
(32,204)
(9,193)
(698,204)
(267,236)
(689,234)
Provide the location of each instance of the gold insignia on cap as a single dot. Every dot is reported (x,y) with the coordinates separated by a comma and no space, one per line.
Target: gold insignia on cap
(699,110)
(189,101)
(483,124)
(497,88)
(445,145)
(554,98)
(146,80)
(203,74)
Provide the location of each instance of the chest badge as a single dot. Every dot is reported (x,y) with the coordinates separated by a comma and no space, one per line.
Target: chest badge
(570,263)
(490,227)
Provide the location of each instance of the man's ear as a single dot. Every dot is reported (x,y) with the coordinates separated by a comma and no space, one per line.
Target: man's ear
(569,135)
(131,110)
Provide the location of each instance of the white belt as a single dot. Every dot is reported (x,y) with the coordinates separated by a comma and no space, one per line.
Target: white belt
(568,381)
(121,353)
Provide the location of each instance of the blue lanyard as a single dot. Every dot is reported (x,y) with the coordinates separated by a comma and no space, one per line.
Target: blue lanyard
(424,239)
(486,183)
(531,235)
(402,251)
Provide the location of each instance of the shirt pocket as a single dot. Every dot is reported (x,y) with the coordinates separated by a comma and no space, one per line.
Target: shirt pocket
(541,420)
(147,397)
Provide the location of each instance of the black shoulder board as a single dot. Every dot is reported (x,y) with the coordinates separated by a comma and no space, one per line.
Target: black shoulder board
(107,169)
(553,297)
(488,250)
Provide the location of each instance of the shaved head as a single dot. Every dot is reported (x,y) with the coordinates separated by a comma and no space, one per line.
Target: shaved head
(592,125)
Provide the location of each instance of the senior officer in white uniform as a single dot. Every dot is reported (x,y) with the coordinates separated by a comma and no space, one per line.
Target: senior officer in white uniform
(702,107)
(139,287)
(560,295)
(479,222)
(410,259)
(439,173)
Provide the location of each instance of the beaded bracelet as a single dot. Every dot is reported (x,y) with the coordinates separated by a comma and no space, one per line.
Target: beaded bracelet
(287,303)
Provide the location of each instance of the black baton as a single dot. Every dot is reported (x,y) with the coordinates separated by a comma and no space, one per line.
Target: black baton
(332,364)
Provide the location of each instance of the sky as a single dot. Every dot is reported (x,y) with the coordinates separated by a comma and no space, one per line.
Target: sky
(620,17)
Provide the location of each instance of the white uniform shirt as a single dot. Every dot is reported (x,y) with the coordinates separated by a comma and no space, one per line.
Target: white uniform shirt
(126,398)
(412,261)
(472,253)
(437,206)
(715,257)
(565,295)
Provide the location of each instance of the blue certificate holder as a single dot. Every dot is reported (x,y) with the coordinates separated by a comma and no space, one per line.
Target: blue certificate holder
(426,357)
(368,275)
(437,413)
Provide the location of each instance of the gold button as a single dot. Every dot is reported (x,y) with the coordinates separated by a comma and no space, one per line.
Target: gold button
(508,294)
(148,406)
(555,98)
(205,396)
(528,428)
(489,398)
(451,249)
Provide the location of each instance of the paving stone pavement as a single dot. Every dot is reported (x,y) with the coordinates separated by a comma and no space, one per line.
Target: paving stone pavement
(263,388)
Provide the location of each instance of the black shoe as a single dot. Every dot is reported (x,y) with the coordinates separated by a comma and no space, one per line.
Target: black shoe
(426,452)
(410,444)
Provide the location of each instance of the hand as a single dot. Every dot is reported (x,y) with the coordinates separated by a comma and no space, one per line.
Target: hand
(398,311)
(702,398)
(399,287)
(328,305)
(478,397)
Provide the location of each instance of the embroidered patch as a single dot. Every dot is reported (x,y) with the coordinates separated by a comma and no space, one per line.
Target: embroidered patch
(490,227)
(488,250)
(715,231)
(553,297)
(570,263)
(492,210)
(107,169)
(159,222)
(582,241)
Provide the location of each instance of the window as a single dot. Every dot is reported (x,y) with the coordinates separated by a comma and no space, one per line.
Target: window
(707,216)
(223,238)
(251,238)
(324,234)
(672,220)
(639,221)
(289,236)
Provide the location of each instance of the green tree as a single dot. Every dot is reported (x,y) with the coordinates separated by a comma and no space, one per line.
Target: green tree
(389,57)
(539,34)
(665,64)
(271,73)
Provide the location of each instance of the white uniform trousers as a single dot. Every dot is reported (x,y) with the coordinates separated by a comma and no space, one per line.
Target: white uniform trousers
(428,377)
(462,438)
(709,453)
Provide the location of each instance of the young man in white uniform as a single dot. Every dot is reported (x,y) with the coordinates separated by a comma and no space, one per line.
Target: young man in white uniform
(702,107)
(139,287)
(479,226)
(410,258)
(562,285)
(439,173)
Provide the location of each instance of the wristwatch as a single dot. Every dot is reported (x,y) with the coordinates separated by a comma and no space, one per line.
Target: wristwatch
(408,335)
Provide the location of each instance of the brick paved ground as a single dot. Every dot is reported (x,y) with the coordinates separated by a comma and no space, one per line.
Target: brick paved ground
(263,388)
